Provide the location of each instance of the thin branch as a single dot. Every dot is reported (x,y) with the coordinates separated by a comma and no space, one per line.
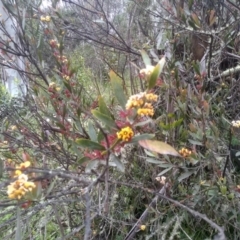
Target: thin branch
(140,221)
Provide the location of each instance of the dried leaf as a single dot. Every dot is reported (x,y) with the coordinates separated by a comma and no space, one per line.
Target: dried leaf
(159,147)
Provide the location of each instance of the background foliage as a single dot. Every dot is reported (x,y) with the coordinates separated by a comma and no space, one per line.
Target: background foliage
(83,60)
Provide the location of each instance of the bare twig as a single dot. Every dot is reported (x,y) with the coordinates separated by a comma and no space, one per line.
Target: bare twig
(87,216)
(227,73)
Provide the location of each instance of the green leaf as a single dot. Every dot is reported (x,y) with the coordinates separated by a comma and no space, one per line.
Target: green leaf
(142,137)
(237,154)
(108,121)
(92,132)
(140,124)
(146,58)
(92,165)
(196,67)
(50,188)
(86,143)
(192,24)
(67,85)
(194,142)
(82,160)
(190,4)
(156,72)
(164,171)
(120,166)
(103,107)
(117,88)
(155,161)
(150,154)
(159,147)
(185,175)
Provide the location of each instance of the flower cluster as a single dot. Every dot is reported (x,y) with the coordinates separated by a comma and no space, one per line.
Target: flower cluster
(21,167)
(53,87)
(236,124)
(143,227)
(45,19)
(18,188)
(125,134)
(185,152)
(66,77)
(61,58)
(146,72)
(21,186)
(53,43)
(143,103)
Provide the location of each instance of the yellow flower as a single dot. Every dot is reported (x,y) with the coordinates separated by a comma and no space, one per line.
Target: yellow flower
(125,134)
(17,173)
(25,165)
(143,227)
(145,112)
(236,124)
(185,152)
(151,97)
(48,19)
(202,182)
(143,103)
(66,77)
(18,188)
(147,71)
(22,178)
(52,84)
(13,128)
(45,19)
(42,18)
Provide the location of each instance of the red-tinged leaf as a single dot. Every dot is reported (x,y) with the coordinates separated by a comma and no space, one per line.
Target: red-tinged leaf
(159,147)
(196,19)
(212,17)
(86,143)
(26,157)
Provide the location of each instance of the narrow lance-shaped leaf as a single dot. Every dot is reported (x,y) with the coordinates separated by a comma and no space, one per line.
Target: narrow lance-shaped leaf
(156,72)
(196,19)
(120,166)
(107,120)
(92,132)
(86,143)
(159,147)
(146,58)
(142,137)
(117,88)
(103,107)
